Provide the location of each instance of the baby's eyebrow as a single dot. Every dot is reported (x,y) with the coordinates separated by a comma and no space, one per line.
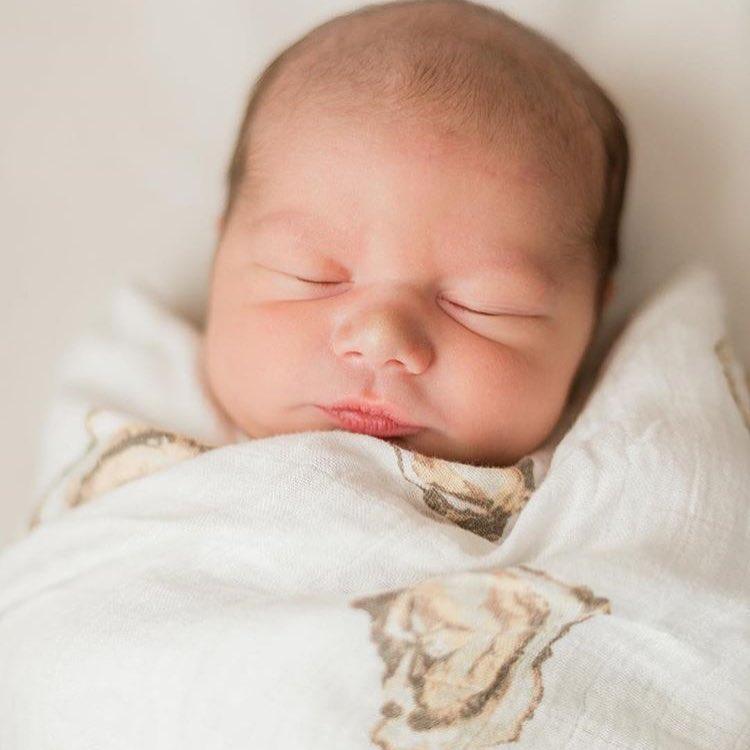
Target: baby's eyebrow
(295,219)
(305,227)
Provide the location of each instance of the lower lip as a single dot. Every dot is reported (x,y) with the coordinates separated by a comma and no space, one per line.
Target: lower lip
(370,425)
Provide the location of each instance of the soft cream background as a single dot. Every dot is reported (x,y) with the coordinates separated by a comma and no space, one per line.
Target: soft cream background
(119,118)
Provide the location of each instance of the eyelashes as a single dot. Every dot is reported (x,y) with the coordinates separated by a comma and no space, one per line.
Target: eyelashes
(476,312)
(453,304)
(316,283)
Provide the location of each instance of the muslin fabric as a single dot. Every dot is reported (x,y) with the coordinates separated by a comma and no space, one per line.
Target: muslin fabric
(185,586)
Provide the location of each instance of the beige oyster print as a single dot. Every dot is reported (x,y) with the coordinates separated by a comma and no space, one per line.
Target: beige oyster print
(463,654)
(737,379)
(119,450)
(478,500)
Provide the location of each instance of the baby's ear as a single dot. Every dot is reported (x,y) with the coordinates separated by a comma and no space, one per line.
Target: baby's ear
(609,292)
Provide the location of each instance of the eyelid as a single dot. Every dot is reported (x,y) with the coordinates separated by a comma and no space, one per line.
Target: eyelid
(318,283)
(298,278)
(496,314)
(455,304)
(468,309)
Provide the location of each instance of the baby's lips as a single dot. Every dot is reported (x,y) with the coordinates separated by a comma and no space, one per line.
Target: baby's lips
(370,424)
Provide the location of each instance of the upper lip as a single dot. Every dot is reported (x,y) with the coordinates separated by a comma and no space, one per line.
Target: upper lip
(372,408)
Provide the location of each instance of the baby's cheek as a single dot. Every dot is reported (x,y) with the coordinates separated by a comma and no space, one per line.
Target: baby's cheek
(268,349)
(501,374)
(482,389)
(294,331)
(508,395)
(247,373)
(250,347)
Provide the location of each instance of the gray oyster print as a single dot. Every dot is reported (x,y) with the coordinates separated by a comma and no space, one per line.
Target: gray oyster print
(119,450)
(477,500)
(463,654)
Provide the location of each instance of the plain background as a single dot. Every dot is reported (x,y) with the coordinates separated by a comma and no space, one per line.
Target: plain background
(119,117)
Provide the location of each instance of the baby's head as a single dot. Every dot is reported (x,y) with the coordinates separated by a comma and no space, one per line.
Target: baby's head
(422,215)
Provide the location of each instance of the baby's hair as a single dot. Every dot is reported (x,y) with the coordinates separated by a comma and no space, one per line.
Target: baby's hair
(463,65)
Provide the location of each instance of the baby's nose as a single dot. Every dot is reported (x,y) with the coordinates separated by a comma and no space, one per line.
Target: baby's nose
(384,335)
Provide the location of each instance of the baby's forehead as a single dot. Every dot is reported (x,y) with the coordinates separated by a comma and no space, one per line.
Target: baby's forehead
(347,153)
(350,197)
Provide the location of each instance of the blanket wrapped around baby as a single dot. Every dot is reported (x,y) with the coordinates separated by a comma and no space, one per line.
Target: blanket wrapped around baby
(183,586)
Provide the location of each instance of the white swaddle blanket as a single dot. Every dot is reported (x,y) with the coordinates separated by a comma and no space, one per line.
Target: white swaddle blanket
(186,587)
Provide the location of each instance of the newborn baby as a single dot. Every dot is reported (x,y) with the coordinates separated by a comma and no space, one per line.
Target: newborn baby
(419,236)
(418,243)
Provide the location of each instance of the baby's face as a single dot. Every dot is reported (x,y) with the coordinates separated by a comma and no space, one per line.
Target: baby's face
(446,289)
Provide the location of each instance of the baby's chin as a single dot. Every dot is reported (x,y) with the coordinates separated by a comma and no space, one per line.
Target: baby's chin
(446,454)
(399,441)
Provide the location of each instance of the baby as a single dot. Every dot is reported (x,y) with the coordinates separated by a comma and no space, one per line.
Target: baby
(420,234)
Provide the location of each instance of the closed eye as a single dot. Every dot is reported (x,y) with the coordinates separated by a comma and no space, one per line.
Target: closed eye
(495,314)
(455,304)
(319,283)
(468,309)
